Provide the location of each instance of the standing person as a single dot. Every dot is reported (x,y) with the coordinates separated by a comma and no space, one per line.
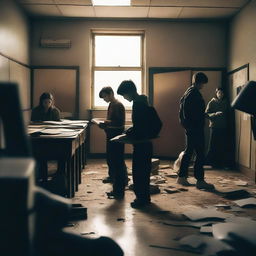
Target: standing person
(142,152)
(217,113)
(192,118)
(45,111)
(113,126)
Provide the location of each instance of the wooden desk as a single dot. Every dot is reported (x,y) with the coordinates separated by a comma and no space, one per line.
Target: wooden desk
(69,151)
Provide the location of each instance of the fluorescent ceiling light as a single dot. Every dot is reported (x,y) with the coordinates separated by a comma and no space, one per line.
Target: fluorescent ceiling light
(112,2)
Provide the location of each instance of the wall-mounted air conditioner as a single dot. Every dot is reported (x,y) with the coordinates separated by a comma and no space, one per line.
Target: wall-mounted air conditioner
(55,43)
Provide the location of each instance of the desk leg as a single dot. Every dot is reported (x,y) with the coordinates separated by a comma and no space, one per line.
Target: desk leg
(80,163)
(83,155)
(62,177)
(77,169)
(70,177)
(44,170)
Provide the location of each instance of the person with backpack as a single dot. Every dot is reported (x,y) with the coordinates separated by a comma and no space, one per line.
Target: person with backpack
(192,118)
(141,134)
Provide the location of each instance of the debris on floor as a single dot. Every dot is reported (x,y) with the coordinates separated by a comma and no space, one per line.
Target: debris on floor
(171,190)
(241,183)
(155,166)
(179,220)
(206,245)
(206,214)
(235,194)
(246,202)
(206,230)
(87,233)
(164,166)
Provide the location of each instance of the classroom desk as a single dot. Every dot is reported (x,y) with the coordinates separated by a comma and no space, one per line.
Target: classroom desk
(68,150)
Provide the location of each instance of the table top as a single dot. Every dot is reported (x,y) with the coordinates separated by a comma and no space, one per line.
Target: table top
(57,129)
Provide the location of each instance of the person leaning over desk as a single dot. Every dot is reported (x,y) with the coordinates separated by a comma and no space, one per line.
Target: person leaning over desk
(45,111)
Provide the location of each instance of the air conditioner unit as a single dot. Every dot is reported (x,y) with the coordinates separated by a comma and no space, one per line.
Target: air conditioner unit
(55,43)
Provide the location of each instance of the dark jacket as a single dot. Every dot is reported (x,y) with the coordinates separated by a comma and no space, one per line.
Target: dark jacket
(192,109)
(139,118)
(38,114)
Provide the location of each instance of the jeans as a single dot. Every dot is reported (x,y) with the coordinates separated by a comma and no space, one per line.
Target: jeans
(194,143)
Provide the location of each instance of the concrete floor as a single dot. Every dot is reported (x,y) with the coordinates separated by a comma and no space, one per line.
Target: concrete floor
(136,231)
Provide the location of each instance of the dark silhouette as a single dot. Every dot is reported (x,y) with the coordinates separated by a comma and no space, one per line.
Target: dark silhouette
(217,113)
(192,118)
(142,151)
(113,126)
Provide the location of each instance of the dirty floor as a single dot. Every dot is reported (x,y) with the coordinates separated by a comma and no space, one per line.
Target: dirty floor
(146,232)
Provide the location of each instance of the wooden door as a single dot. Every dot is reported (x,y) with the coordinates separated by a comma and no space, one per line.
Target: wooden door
(168,89)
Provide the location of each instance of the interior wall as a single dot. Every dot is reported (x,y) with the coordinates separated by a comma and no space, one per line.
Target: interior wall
(14,52)
(167,44)
(14,32)
(242,50)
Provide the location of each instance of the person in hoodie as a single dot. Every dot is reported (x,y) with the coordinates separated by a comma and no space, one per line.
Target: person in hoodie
(142,151)
(217,113)
(192,118)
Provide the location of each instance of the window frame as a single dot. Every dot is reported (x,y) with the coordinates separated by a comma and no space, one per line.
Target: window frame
(94,68)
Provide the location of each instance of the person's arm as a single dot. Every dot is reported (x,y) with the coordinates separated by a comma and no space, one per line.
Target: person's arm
(211,112)
(55,115)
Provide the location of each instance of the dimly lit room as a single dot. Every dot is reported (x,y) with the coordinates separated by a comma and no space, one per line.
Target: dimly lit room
(127,127)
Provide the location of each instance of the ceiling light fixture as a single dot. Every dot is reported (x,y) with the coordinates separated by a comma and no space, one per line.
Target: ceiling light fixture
(111,2)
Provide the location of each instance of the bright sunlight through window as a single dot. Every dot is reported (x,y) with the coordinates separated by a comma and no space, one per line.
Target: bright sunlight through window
(116,58)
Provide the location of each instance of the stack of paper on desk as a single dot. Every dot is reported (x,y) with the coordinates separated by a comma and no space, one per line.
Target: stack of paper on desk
(53,132)
(78,124)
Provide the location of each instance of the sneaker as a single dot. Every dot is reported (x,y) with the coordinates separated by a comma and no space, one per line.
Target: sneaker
(113,195)
(107,180)
(202,184)
(137,204)
(183,181)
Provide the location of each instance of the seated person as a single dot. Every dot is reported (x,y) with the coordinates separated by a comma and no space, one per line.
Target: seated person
(45,111)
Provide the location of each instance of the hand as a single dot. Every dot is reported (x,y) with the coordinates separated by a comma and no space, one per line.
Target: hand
(219,113)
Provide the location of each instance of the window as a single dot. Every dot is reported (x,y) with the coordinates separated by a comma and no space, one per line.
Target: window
(116,57)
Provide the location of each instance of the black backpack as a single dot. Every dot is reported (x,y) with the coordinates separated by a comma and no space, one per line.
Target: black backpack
(154,123)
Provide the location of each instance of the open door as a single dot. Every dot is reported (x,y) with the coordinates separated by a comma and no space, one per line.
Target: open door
(168,89)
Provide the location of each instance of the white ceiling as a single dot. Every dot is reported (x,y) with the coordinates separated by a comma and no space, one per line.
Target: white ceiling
(145,9)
